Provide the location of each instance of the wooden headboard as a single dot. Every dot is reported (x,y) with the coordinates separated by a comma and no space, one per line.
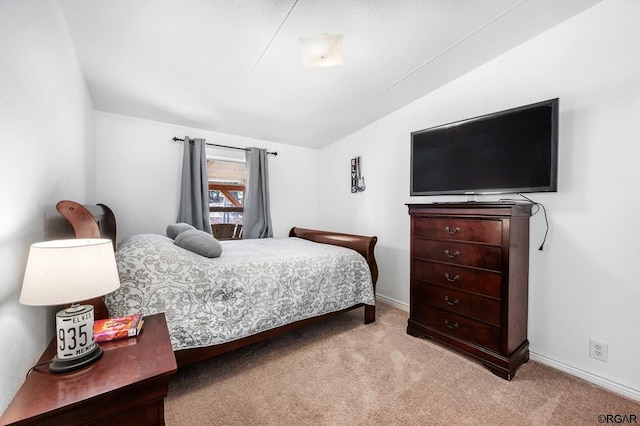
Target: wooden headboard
(69,219)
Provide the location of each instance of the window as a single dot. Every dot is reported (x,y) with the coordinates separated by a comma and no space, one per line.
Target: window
(226,191)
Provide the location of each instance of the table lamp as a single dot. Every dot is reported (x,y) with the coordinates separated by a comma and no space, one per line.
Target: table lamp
(65,272)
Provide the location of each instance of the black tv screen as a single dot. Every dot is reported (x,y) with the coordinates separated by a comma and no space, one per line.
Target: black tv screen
(504,152)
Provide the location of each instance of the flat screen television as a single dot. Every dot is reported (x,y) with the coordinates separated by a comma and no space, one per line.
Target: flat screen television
(509,151)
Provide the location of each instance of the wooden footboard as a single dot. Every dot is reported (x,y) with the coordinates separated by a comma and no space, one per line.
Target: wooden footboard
(361,244)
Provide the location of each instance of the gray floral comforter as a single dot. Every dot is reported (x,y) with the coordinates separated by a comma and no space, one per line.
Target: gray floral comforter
(255,285)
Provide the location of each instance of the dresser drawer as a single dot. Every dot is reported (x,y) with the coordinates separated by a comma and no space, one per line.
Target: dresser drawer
(458,326)
(484,231)
(459,277)
(477,255)
(459,302)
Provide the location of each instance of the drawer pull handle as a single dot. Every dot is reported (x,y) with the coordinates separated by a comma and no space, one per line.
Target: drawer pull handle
(449,302)
(449,231)
(451,325)
(452,256)
(451,280)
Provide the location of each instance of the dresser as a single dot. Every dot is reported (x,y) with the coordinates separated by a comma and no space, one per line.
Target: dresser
(469,280)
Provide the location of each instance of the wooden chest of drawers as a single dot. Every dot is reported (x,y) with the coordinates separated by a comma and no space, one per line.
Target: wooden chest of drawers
(469,279)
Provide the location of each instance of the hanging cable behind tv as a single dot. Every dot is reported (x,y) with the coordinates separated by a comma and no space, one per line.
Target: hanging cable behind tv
(544,211)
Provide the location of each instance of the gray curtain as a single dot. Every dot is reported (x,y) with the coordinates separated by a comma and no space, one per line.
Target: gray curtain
(194,190)
(257,216)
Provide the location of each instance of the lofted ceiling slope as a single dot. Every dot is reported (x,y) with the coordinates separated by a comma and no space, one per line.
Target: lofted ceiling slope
(235,66)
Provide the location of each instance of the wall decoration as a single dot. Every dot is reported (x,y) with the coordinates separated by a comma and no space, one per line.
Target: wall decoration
(357,180)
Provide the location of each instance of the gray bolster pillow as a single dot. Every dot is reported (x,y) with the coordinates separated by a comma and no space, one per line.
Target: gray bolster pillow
(199,242)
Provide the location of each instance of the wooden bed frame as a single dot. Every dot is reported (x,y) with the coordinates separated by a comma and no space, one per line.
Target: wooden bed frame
(98,221)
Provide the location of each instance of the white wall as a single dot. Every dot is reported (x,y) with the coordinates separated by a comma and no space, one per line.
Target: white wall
(46,148)
(585,283)
(138,174)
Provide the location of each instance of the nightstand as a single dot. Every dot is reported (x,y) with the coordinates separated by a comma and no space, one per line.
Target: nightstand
(126,387)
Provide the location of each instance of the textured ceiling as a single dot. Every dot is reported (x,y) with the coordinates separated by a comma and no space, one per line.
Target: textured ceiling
(234,66)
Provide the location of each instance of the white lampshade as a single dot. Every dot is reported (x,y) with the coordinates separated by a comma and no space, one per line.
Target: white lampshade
(66,271)
(322,51)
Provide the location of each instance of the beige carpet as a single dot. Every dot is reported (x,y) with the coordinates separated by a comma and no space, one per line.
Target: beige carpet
(342,372)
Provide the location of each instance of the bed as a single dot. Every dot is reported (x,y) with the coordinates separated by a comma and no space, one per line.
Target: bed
(257,289)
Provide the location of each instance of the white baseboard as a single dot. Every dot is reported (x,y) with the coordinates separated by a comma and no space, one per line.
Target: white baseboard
(392,302)
(603,382)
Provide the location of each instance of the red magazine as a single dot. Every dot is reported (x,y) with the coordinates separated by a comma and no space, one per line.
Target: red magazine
(117,328)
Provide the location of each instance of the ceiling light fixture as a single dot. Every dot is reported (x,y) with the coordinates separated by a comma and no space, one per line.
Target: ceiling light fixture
(322,51)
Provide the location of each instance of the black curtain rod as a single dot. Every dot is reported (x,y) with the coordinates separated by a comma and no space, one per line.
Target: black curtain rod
(176,139)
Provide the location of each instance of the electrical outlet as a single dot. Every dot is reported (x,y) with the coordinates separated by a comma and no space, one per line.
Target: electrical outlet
(598,350)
